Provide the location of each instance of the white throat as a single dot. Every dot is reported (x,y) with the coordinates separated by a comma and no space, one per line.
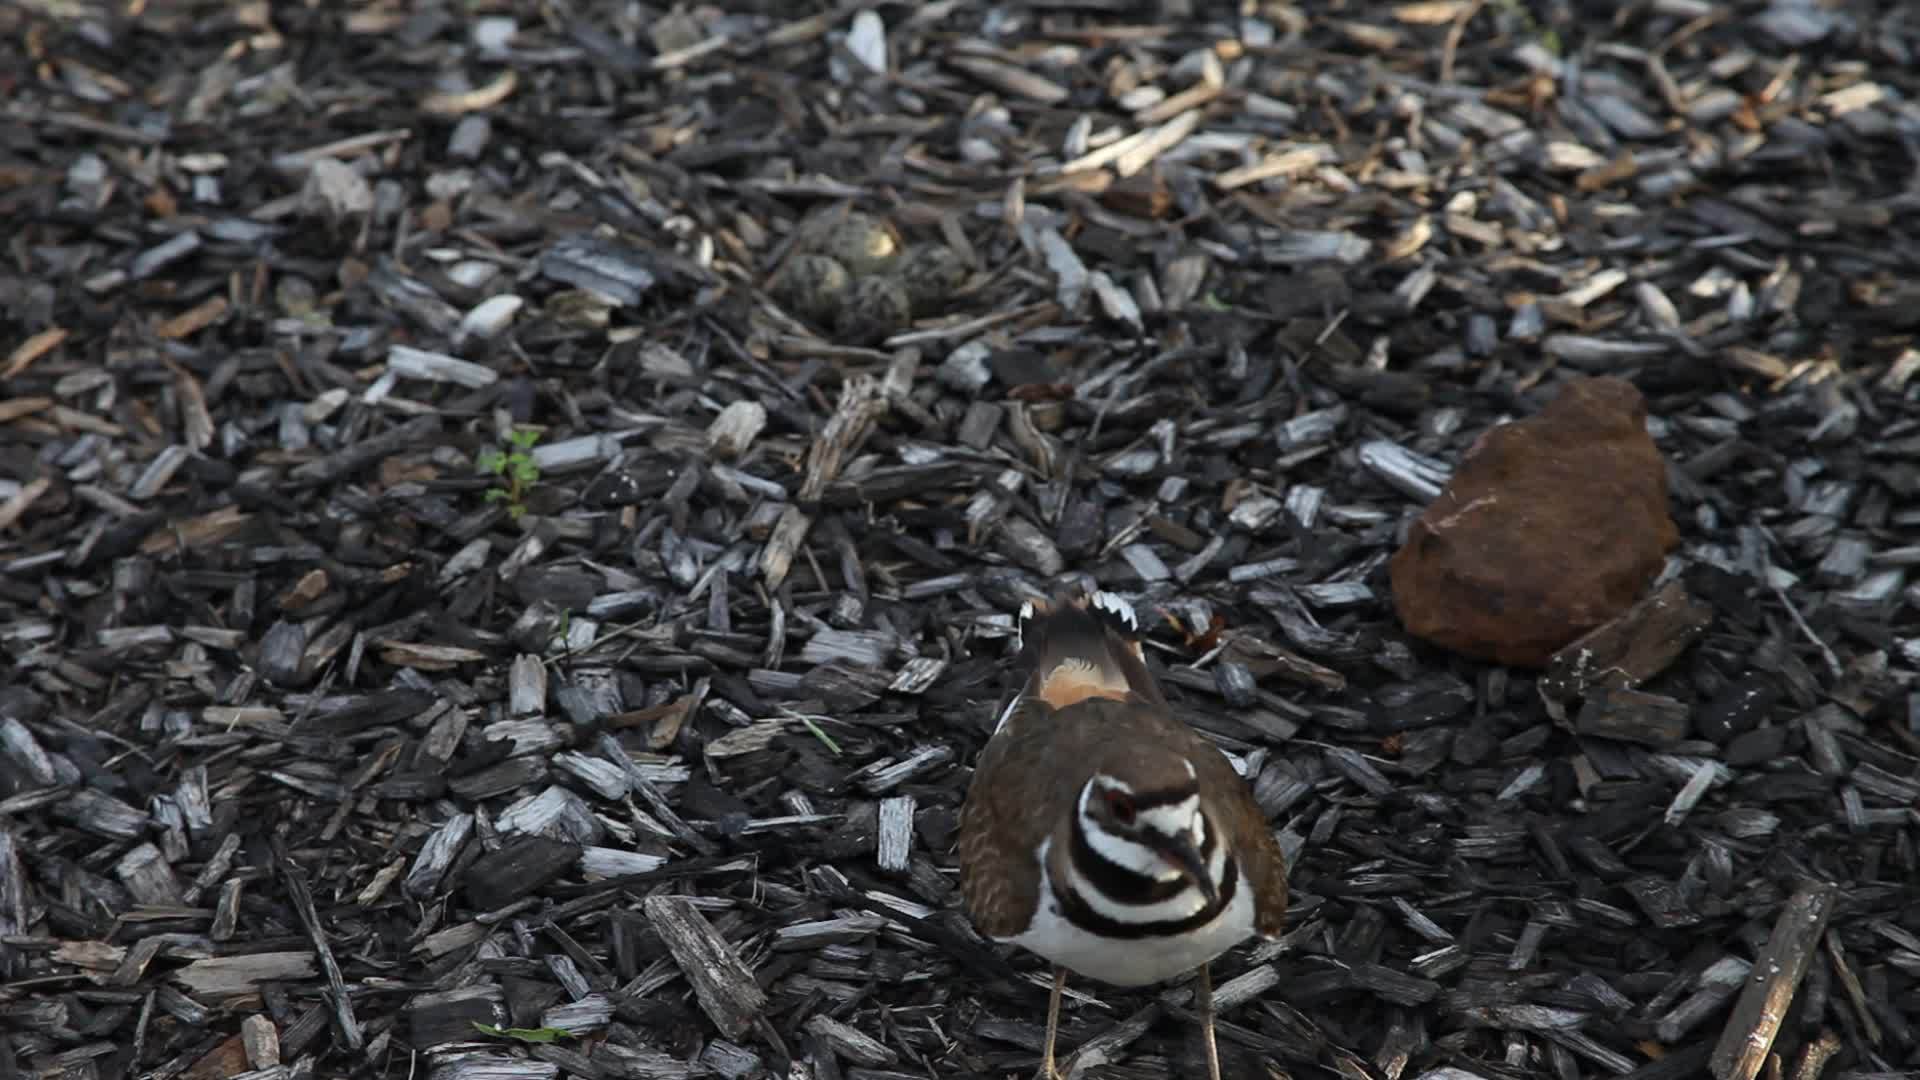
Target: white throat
(1148,958)
(1130,854)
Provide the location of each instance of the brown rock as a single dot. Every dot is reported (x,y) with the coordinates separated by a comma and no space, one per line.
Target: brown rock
(1549,527)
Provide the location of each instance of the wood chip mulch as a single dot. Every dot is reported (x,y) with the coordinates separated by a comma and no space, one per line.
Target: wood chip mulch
(511,514)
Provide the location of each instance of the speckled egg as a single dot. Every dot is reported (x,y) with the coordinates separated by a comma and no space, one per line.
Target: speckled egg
(861,242)
(875,309)
(932,273)
(811,287)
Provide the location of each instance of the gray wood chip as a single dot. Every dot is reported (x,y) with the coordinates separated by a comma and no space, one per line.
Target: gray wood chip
(437,855)
(721,983)
(1754,1024)
(896,832)
(412,363)
(850,1043)
(221,977)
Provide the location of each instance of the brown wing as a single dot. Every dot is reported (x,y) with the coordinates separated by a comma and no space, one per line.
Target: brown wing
(1001,824)
(1261,860)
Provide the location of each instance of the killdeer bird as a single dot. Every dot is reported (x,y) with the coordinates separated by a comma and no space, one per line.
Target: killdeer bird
(1102,833)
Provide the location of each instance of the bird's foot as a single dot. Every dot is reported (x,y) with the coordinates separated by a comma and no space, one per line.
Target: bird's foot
(1050,1069)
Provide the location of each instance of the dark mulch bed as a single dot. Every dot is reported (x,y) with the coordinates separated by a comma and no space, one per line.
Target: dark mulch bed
(316,759)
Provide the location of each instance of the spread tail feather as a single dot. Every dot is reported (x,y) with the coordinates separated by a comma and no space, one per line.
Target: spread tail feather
(1084,646)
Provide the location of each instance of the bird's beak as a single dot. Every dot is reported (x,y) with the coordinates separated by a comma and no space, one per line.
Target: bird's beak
(1181,852)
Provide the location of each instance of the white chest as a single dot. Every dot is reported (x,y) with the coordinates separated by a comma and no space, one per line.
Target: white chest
(1133,961)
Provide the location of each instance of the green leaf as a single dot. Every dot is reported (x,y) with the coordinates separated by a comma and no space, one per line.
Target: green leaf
(530,1035)
(495,494)
(524,438)
(492,461)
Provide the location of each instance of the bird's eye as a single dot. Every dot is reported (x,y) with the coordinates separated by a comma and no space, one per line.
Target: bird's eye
(1120,806)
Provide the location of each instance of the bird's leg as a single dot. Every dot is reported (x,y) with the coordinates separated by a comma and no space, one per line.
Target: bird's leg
(1203,993)
(1047,1071)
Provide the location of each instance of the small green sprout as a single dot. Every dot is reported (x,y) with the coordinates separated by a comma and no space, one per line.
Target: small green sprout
(527,1035)
(517,467)
(825,738)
